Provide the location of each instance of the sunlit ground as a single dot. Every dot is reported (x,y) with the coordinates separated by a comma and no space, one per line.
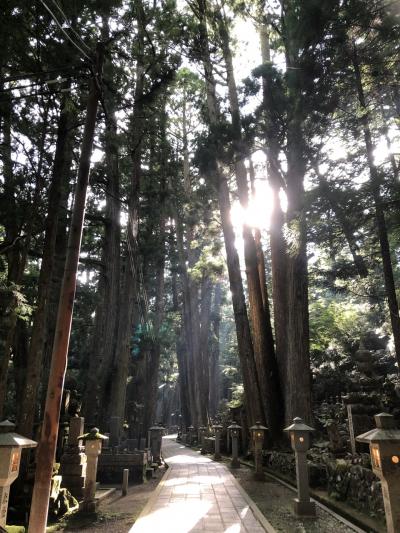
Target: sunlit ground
(196,495)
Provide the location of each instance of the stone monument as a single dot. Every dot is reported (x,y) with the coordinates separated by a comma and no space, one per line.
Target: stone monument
(73,460)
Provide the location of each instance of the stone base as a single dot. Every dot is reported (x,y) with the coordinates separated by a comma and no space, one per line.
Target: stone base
(304,508)
(217,457)
(75,484)
(89,507)
(235,463)
(111,466)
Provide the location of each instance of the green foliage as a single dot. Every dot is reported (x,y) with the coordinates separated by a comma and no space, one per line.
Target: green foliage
(336,324)
(237,396)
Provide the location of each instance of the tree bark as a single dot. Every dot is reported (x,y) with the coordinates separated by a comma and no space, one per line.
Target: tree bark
(252,390)
(128,308)
(215,373)
(263,342)
(279,257)
(48,440)
(107,313)
(153,366)
(60,176)
(13,254)
(298,372)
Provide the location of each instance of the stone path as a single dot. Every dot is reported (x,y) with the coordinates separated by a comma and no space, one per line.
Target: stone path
(197,494)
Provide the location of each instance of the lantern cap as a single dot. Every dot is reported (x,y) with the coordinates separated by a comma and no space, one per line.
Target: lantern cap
(234,426)
(217,426)
(202,428)
(385,430)
(258,426)
(6,426)
(10,439)
(191,427)
(94,434)
(298,425)
(156,427)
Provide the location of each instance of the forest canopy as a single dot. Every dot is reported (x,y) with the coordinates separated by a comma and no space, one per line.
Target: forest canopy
(241,227)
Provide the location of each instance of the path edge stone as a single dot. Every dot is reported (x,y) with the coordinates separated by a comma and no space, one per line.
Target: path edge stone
(253,506)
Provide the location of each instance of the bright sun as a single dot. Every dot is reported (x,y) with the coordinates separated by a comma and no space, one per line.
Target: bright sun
(258,213)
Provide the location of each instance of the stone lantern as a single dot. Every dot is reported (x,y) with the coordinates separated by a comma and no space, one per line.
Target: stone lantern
(156,433)
(11,445)
(234,430)
(217,450)
(93,444)
(384,445)
(257,432)
(190,437)
(299,434)
(201,436)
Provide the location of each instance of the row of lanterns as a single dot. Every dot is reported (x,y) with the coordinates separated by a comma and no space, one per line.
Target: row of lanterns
(384,443)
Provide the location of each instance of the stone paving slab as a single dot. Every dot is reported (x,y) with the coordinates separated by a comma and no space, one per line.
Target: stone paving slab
(197,495)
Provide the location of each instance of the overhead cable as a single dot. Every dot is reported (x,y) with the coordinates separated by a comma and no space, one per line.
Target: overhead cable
(70,27)
(64,32)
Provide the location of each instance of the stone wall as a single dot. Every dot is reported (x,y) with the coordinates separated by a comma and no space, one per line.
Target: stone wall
(344,481)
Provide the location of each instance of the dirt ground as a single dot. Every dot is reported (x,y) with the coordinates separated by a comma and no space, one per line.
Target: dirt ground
(116,514)
(275,502)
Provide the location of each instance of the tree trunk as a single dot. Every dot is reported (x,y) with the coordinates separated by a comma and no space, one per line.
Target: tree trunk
(205,334)
(186,342)
(60,177)
(264,351)
(100,365)
(13,253)
(48,440)
(279,257)
(153,366)
(128,308)
(215,372)
(252,390)
(298,397)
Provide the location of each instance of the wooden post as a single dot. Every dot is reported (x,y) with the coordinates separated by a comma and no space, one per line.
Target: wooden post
(48,439)
(125,480)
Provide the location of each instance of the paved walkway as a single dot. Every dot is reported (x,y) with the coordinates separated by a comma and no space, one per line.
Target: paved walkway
(197,494)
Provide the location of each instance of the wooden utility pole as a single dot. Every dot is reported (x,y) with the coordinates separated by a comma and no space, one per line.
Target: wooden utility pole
(48,439)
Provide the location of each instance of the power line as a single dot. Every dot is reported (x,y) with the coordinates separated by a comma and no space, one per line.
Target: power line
(26,75)
(70,27)
(39,84)
(64,32)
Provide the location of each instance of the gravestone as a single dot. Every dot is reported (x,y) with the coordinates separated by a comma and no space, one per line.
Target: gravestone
(73,460)
(115,431)
(364,400)
(360,420)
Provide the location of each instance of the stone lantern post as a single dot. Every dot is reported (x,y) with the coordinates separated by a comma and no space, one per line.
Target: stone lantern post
(93,443)
(234,430)
(257,432)
(11,445)
(156,433)
(384,445)
(300,440)
(189,438)
(202,431)
(217,450)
